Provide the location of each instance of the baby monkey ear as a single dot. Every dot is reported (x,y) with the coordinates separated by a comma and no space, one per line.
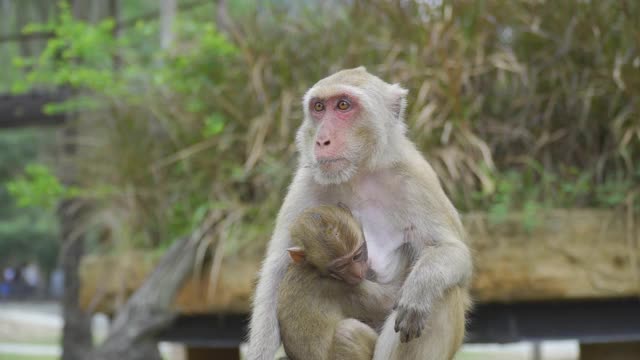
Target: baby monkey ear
(344,207)
(296,254)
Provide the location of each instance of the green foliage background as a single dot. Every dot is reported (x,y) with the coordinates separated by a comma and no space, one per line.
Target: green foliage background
(25,234)
(520,106)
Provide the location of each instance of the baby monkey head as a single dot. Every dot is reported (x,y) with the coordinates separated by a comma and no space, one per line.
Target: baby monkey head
(331,240)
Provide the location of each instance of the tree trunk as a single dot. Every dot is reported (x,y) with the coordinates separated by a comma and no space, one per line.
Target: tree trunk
(167,15)
(22,19)
(81,9)
(76,332)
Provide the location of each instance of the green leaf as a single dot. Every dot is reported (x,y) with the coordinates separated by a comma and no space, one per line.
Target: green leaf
(38,188)
(213,125)
(19,87)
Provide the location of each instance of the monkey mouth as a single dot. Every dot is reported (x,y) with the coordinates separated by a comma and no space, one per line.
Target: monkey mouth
(332,164)
(330,161)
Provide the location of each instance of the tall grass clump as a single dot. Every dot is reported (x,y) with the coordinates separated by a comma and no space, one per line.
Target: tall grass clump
(518,105)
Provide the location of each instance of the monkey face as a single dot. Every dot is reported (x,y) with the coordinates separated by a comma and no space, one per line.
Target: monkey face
(333,142)
(351,268)
(353,273)
(334,117)
(350,117)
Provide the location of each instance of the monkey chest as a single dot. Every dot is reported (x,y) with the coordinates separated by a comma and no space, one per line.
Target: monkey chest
(384,237)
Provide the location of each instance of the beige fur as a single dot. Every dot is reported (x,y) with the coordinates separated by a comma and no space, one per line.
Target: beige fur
(387,176)
(441,340)
(353,340)
(317,312)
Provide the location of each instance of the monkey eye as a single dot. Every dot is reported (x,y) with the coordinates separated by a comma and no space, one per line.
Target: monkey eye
(357,256)
(318,106)
(343,105)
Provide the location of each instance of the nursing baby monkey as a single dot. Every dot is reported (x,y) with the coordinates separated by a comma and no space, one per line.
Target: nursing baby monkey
(354,150)
(328,307)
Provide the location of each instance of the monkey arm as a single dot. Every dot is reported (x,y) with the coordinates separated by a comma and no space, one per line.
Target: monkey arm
(443,264)
(264,332)
(375,301)
(441,259)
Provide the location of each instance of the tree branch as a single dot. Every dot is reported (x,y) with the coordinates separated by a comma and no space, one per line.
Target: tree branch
(132,335)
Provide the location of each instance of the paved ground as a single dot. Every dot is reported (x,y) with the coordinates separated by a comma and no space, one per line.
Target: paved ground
(557,350)
(33,329)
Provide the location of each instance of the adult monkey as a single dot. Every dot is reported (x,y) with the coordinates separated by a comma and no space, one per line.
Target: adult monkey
(354,149)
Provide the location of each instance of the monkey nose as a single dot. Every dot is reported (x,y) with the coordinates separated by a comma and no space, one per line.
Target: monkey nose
(357,271)
(323,143)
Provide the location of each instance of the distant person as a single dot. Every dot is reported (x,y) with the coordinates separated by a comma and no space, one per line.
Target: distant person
(8,275)
(32,275)
(4,284)
(56,283)
(19,286)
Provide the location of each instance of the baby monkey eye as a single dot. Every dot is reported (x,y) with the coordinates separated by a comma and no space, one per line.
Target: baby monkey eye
(343,105)
(357,256)
(318,106)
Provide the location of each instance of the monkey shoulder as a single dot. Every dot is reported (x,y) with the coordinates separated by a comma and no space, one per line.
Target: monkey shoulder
(417,172)
(422,187)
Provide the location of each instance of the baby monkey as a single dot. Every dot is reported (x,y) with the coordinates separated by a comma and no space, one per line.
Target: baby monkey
(328,305)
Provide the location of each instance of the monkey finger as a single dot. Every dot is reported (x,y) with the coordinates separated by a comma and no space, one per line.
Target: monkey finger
(415,332)
(404,337)
(399,319)
(401,326)
(410,334)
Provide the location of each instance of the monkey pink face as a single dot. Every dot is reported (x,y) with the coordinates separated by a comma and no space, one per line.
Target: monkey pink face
(334,117)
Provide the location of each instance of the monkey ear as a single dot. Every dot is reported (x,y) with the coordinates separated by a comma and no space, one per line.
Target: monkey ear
(398,100)
(296,254)
(344,207)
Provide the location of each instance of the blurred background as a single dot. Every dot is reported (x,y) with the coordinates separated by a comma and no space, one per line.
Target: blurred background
(146,146)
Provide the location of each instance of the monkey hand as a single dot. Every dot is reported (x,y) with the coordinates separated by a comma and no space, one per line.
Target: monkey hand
(410,321)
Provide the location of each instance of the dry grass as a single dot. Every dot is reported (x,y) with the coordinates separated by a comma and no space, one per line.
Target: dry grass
(548,89)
